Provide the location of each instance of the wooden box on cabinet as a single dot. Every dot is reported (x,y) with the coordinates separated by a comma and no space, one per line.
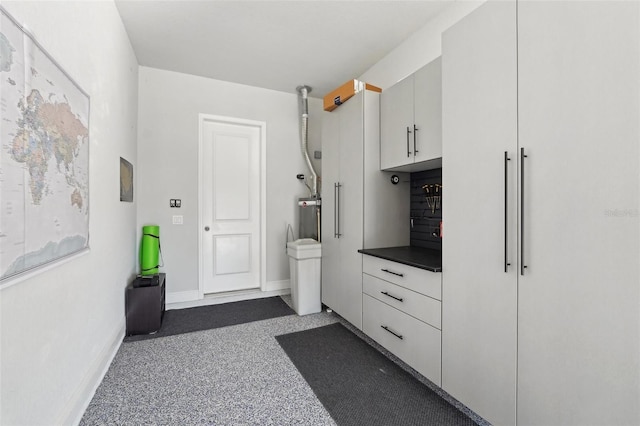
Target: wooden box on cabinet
(343,93)
(144,307)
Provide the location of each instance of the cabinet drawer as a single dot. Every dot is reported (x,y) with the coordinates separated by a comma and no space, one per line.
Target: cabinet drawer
(416,279)
(415,304)
(414,342)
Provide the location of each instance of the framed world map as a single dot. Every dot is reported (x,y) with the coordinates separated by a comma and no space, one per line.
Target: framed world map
(44,157)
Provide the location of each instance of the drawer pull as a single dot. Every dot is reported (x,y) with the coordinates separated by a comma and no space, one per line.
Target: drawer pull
(391,272)
(399,299)
(399,336)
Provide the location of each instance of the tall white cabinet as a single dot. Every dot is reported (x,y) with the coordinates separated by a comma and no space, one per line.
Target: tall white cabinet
(361,207)
(541,280)
(479,316)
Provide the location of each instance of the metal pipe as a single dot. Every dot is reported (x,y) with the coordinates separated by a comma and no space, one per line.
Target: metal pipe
(303,92)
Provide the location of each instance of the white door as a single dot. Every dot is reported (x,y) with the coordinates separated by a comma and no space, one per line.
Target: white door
(231,187)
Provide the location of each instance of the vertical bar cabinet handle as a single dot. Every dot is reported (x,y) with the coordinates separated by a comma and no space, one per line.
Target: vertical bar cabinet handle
(338,211)
(408,150)
(335,210)
(415,146)
(522,216)
(506,210)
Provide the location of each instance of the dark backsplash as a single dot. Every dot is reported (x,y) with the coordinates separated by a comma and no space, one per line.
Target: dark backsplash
(425,229)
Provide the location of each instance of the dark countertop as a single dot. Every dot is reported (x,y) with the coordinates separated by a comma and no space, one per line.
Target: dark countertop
(422,258)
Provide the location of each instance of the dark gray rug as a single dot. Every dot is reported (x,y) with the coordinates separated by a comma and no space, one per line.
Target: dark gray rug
(179,321)
(358,385)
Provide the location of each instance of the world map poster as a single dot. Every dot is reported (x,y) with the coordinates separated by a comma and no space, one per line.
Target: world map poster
(44,157)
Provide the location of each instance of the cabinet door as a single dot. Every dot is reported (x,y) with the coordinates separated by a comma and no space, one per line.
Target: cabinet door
(330,177)
(396,116)
(428,112)
(579,319)
(386,206)
(351,208)
(479,297)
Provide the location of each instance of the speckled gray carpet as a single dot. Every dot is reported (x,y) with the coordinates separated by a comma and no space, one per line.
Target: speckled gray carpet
(236,375)
(360,386)
(181,321)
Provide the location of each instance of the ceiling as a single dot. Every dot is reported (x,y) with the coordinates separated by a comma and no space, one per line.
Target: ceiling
(272,44)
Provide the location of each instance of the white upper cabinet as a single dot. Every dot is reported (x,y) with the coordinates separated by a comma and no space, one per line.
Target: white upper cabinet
(396,125)
(427,102)
(410,121)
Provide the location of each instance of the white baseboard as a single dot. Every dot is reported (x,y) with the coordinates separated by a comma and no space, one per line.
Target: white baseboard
(85,391)
(278,285)
(232,296)
(182,296)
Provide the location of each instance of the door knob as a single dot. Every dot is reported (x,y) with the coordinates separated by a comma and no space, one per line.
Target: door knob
(206,228)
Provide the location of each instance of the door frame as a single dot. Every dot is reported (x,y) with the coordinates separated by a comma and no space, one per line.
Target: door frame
(262,128)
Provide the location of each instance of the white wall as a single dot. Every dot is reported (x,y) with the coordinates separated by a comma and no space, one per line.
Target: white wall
(59,329)
(418,50)
(169,104)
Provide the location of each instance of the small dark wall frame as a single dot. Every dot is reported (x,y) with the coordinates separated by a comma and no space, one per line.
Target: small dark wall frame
(126,181)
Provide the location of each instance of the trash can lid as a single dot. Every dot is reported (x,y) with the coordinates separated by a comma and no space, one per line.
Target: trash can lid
(303,242)
(304,248)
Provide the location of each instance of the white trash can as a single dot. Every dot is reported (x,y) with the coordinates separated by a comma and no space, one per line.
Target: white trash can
(305,267)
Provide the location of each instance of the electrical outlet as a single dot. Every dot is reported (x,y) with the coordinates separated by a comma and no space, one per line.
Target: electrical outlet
(172,203)
(178,220)
(178,203)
